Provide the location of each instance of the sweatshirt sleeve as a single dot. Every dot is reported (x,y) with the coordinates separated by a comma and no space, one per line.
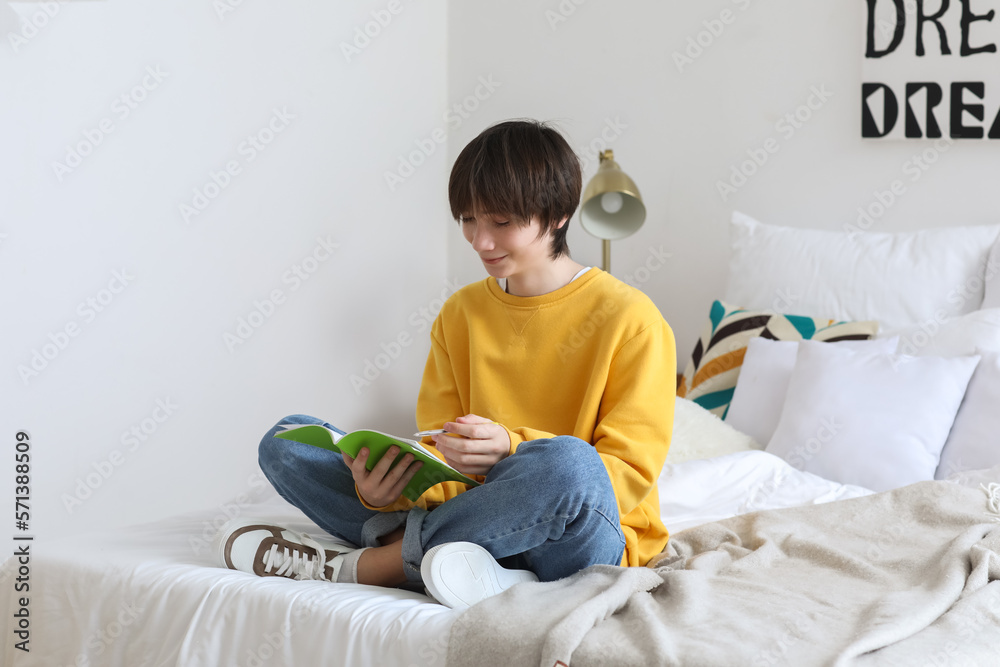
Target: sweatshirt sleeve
(523,434)
(636,414)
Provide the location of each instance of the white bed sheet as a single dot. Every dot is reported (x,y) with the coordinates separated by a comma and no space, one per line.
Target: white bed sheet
(705,490)
(152,595)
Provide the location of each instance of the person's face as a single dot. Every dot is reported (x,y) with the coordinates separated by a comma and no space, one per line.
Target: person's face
(505,247)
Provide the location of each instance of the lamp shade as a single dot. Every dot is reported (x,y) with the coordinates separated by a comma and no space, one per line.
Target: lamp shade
(612,206)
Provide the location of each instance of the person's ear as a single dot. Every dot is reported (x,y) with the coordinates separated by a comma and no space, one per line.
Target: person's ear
(564,221)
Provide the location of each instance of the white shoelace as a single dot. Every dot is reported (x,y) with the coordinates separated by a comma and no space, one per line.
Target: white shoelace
(293,563)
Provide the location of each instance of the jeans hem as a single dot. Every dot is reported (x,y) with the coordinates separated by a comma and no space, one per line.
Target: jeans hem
(380,525)
(413,550)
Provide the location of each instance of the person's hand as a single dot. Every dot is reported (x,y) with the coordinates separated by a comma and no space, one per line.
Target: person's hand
(477,445)
(381,486)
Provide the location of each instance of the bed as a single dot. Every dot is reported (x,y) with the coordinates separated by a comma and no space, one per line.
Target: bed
(790,541)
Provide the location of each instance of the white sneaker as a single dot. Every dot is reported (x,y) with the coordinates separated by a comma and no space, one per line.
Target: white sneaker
(460,574)
(267,550)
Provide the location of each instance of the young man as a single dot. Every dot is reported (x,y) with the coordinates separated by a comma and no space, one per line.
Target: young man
(555,385)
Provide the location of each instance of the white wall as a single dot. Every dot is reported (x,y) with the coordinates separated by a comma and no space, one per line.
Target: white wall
(437,71)
(685,130)
(159,339)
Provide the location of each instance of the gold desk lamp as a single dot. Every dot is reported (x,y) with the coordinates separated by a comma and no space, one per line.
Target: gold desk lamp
(612,206)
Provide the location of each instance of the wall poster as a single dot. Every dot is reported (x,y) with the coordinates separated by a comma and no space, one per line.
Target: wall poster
(931,69)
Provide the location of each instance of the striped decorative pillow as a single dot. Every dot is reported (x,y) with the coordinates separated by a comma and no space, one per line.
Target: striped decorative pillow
(712,371)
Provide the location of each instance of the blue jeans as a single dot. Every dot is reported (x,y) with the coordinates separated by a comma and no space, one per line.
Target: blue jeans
(549,508)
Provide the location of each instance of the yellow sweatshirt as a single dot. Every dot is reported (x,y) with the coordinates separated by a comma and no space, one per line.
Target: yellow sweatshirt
(594,359)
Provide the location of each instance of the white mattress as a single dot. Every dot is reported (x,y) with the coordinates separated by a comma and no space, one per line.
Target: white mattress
(152,595)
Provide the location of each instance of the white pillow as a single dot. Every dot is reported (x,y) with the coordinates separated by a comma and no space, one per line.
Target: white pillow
(699,434)
(950,336)
(763,382)
(870,419)
(992,276)
(898,279)
(972,443)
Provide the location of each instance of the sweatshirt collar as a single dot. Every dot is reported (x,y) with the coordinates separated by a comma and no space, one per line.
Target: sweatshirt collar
(497,291)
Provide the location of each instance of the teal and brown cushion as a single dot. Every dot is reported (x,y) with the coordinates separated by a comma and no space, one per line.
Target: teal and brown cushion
(714,367)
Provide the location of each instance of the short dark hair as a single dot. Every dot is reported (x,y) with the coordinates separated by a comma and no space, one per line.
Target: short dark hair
(522,169)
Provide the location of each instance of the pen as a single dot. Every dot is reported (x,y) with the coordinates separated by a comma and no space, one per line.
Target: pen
(436,431)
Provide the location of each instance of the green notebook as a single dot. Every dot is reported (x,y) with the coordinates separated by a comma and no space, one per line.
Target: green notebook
(434,471)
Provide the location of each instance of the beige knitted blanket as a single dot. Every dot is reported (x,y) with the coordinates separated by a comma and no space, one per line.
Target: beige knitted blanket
(906,577)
